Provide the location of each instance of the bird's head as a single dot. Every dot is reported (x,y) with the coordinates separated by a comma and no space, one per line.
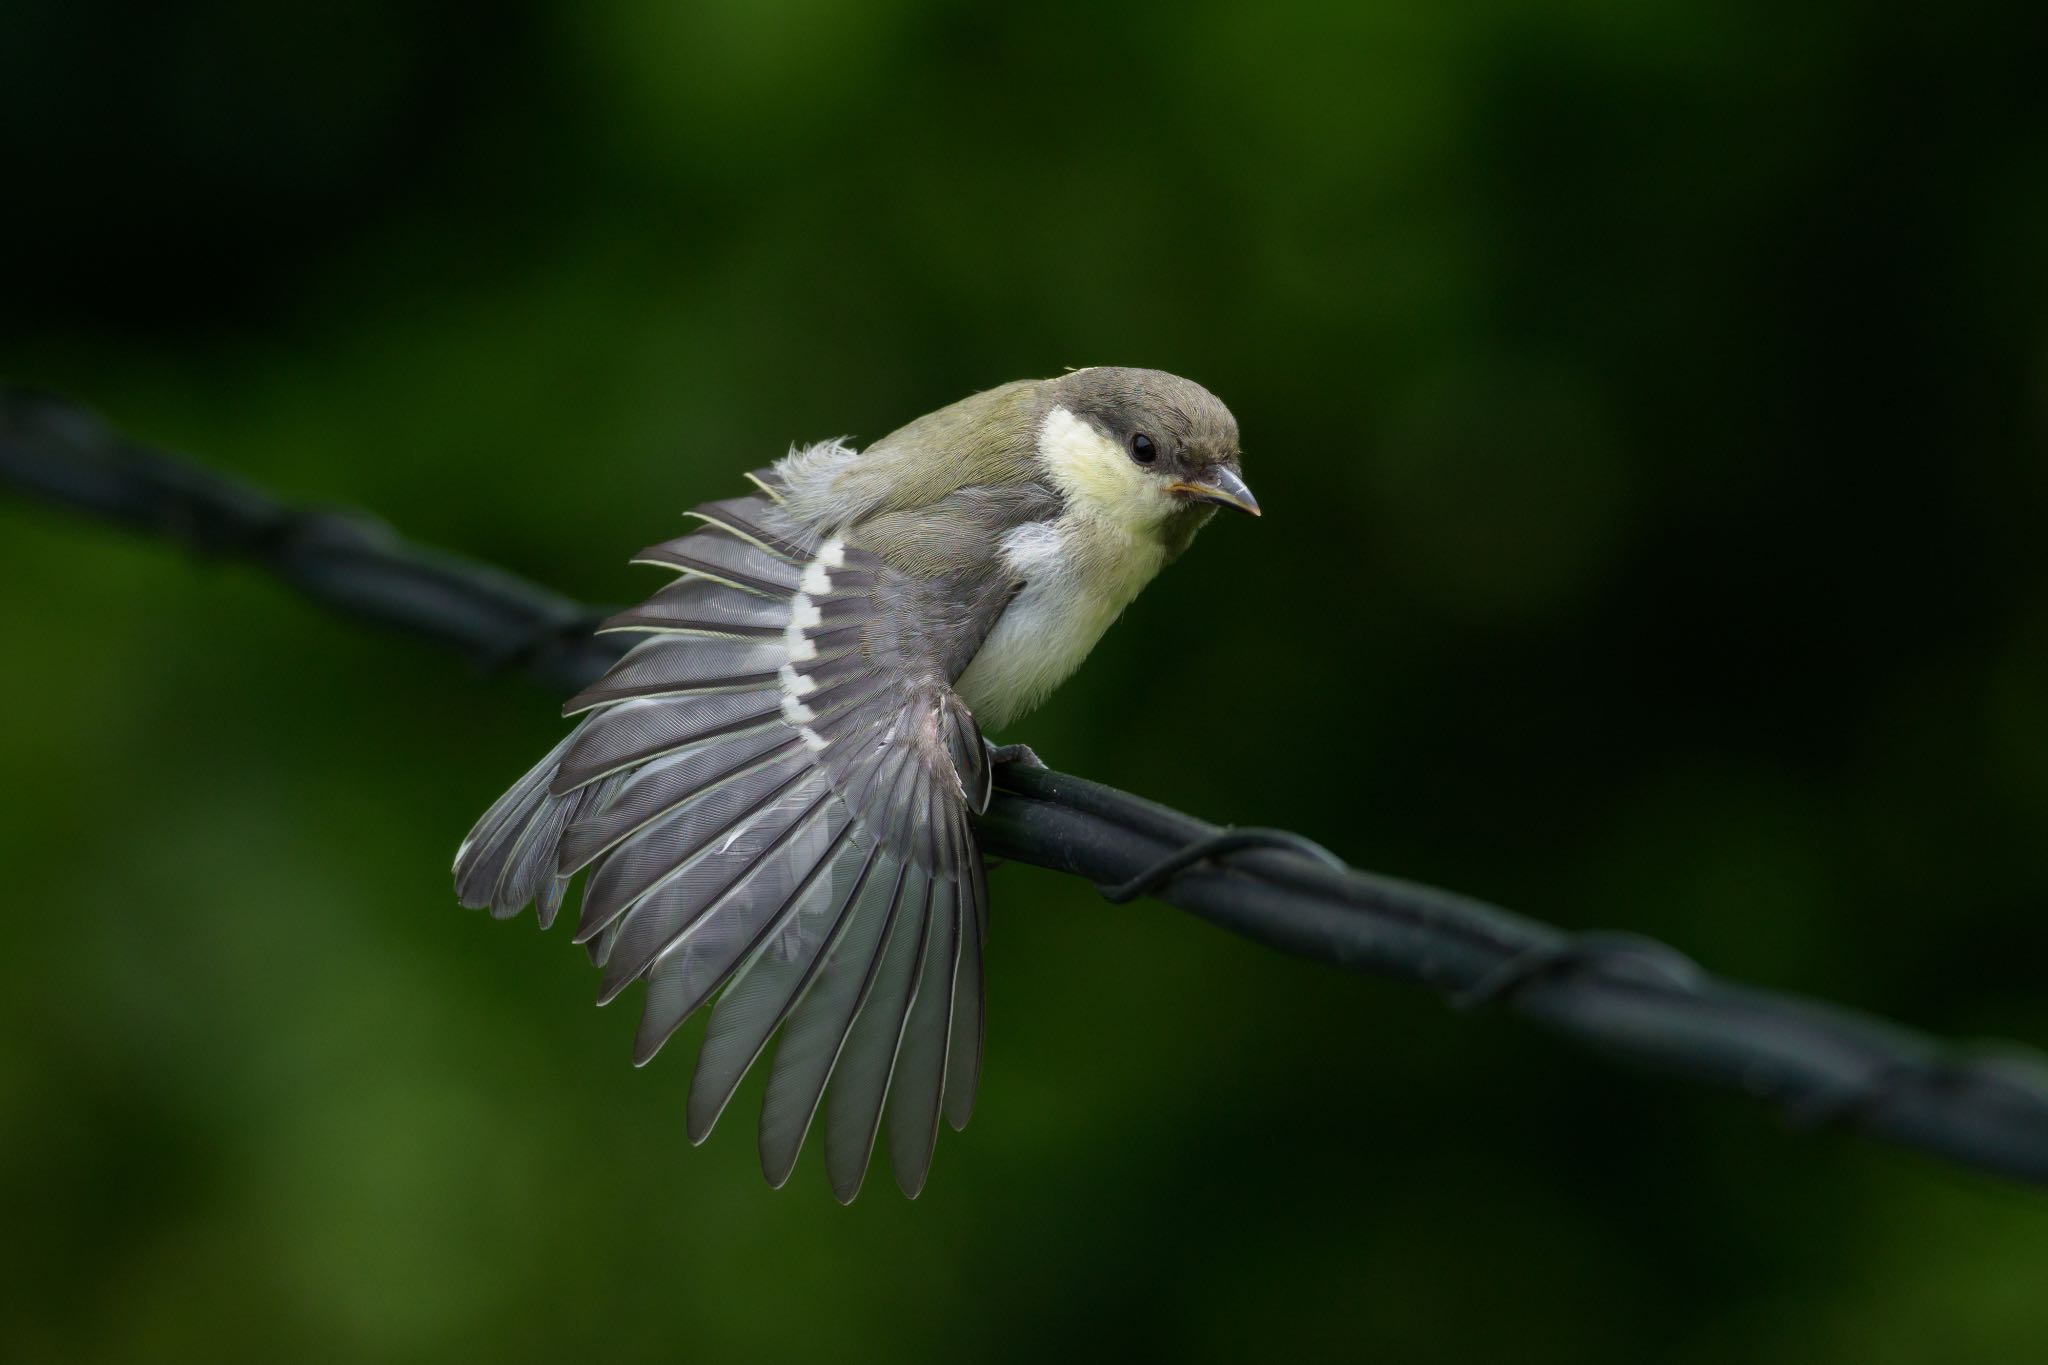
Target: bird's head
(1149,451)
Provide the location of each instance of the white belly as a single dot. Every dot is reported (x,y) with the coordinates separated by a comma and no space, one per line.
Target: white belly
(1079,575)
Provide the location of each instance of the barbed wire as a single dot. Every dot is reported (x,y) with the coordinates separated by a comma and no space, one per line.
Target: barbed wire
(1984,1107)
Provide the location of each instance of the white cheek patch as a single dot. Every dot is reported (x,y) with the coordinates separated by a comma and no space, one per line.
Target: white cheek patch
(1095,475)
(1073,448)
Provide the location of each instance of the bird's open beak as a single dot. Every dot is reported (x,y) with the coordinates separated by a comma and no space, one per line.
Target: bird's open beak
(1221,486)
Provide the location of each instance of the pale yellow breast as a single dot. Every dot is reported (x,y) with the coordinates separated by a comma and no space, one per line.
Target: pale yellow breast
(1079,574)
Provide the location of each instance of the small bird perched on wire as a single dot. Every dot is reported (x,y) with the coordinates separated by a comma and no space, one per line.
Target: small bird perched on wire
(772,794)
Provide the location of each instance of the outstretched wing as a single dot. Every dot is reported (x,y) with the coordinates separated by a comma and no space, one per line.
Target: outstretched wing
(772,798)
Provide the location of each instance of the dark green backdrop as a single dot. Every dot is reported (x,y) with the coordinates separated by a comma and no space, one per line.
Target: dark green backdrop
(1649,401)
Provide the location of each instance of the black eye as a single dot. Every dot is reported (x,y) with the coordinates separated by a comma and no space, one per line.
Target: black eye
(1142,449)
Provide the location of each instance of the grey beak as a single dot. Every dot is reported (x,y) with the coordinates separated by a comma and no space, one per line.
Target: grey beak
(1221,486)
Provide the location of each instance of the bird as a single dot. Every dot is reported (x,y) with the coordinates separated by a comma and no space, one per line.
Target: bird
(771,795)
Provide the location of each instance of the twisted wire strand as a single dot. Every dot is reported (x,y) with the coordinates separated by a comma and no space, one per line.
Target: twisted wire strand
(1983,1107)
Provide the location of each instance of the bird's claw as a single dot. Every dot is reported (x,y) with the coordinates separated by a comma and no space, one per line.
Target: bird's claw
(1013,753)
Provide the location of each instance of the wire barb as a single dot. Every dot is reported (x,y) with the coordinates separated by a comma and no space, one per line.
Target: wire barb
(1824,1067)
(1227,841)
(1618,954)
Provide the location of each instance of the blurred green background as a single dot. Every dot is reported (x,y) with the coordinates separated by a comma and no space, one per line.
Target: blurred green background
(1650,403)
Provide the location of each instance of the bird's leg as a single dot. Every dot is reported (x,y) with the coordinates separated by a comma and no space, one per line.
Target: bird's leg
(1013,753)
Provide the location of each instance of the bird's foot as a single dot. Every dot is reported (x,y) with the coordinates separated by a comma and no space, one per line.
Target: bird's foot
(1020,754)
(1014,753)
